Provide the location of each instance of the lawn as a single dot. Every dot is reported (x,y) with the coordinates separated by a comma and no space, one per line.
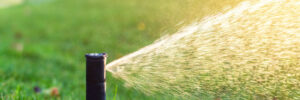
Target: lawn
(43,42)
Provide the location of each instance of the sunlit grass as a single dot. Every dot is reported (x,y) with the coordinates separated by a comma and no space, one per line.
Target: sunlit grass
(8,3)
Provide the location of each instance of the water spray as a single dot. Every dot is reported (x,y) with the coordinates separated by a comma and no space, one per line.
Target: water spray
(249,51)
(95,76)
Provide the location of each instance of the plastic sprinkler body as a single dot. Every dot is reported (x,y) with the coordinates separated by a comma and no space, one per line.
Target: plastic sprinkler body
(95,76)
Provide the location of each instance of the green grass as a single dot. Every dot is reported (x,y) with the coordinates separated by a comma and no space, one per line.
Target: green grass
(56,34)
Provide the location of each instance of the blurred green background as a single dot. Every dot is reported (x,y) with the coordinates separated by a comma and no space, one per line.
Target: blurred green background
(43,42)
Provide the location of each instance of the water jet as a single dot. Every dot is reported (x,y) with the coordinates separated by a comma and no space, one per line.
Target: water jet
(229,54)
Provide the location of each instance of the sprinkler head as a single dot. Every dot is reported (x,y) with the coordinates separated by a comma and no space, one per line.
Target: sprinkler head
(95,76)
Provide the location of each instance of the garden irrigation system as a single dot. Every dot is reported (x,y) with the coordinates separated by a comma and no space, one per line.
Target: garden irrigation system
(95,76)
(238,54)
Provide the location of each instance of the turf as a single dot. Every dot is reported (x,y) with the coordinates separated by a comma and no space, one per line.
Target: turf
(43,42)
(55,36)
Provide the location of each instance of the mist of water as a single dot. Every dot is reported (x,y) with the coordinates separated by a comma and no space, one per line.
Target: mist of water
(253,50)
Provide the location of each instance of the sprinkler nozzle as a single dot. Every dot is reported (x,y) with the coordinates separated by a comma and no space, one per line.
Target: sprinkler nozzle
(95,76)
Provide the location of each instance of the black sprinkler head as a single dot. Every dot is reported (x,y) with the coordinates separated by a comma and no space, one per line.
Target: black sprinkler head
(95,76)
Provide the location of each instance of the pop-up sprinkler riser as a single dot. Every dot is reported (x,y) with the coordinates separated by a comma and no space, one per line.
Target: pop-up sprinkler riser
(95,76)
